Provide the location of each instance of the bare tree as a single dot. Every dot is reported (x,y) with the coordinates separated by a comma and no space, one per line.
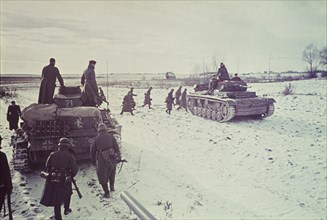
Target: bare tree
(323,56)
(311,55)
(216,60)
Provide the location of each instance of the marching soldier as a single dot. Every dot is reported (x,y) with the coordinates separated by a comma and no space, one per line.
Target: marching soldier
(178,94)
(147,98)
(169,101)
(62,167)
(90,90)
(183,100)
(128,103)
(13,115)
(105,153)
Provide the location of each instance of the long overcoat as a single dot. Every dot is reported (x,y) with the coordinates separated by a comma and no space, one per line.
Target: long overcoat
(170,100)
(13,114)
(55,193)
(49,75)
(90,92)
(5,178)
(128,103)
(183,99)
(178,94)
(222,73)
(147,97)
(101,143)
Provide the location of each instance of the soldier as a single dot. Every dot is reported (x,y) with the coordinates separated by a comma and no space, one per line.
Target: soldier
(13,115)
(61,166)
(183,100)
(127,104)
(236,78)
(90,94)
(105,153)
(222,73)
(49,75)
(178,94)
(169,101)
(5,178)
(147,98)
(133,103)
(213,83)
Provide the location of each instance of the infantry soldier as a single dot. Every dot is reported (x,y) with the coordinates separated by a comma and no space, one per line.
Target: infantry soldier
(13,115)
(90,90)
(236,78)
(178,94)
(169,101)
(5,178)
(183,100)
(128,103)
(105,153)
(222,73)
(147,98)
(61,166)
(49,75)
(133,103)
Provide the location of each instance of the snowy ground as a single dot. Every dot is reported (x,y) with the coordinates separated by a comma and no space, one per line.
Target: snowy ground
(181,166)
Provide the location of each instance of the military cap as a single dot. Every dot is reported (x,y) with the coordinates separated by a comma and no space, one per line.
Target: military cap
(102,127)
(92,62)
(64,142)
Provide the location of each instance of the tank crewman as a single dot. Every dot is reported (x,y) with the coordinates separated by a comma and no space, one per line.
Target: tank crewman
(236,78)
(183,100)
(213,83)
(178,94)
(222,73)
(13,114)
(127,103)
(90,94)
(5,178)
(105,153)
(147,98)
(61,166)
(169,101)
(49,75)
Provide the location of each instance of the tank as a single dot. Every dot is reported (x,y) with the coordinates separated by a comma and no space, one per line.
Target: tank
(45,124)
(231,99)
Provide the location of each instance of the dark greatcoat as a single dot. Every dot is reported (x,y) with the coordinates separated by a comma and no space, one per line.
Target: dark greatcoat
(105,168)
(170,100)
(128,103)
(178,94)
(49,75)
(54,193)
(13,115)
(222,73)
(90,92)
(183,99)
(5,178)
(147,97)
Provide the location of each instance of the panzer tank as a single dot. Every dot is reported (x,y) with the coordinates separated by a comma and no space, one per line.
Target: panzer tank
(229,100)
(45,124)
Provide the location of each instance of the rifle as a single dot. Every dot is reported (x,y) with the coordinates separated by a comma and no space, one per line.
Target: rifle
(122,161)
(76,188)
(9,207)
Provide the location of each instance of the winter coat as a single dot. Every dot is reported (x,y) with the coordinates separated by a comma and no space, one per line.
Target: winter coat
(90,91)
(147,98)
(55,193)
(49,75)
(222,73)
(5,177)
(128,103)
(104,144)
(13,114)
(178,94)
(183,100)
(170,101)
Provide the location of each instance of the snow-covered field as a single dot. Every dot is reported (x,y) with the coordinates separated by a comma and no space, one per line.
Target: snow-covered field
(181,166)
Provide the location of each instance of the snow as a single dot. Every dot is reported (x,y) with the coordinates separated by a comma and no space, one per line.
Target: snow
(181,166)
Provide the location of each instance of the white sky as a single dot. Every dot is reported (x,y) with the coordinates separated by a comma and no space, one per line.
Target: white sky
(159,36)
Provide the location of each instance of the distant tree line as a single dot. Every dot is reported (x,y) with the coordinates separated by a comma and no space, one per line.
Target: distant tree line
(315,58)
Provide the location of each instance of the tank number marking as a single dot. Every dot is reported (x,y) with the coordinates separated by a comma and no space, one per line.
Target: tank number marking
(79,123)
(69,103)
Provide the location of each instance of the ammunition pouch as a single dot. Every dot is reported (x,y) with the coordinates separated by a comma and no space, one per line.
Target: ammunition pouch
(109,155)
(59,176)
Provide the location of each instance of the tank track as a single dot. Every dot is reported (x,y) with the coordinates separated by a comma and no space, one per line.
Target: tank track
(270,111)
(221,111)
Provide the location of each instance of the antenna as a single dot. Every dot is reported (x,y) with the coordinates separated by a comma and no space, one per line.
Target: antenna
(107,85)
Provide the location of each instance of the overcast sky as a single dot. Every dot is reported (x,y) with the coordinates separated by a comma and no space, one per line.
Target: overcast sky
(159,36)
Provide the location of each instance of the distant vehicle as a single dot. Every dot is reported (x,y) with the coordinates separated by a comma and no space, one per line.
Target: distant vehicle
(170,75)
(229,100)
(45,124)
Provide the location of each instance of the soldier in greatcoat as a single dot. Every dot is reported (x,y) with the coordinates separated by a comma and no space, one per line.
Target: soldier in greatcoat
(147,98)
(169,101)
(222,72)
(105,153)
(61,166)
(13,114)
(49,75)
(183,100)
(5,178)
(90,93)
(128,103)
(178,94)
